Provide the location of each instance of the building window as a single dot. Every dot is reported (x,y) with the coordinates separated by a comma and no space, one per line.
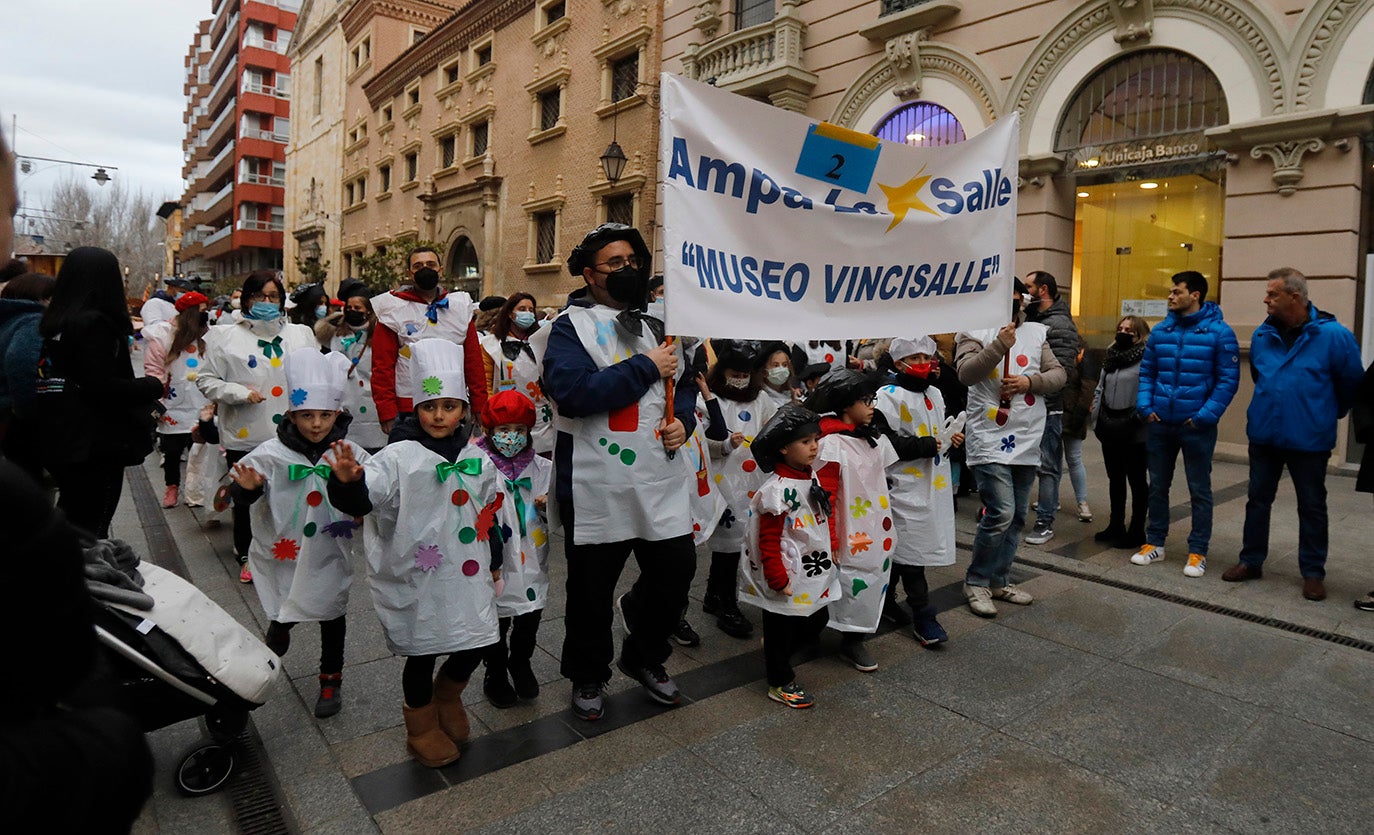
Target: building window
(318,97)
(620,208)
(554,11)
(386,114)
(412,161)
(361,54)
(752,12)
(462,259)
(545,236)
(480,132)
(550,108)
(624,77)
(413,96)
(417,35)
(452,73)
(448,150)
(482,55)
(384,175)
(922,124)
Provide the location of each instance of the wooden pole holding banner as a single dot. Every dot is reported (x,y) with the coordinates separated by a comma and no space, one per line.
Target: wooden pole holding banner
(670,387)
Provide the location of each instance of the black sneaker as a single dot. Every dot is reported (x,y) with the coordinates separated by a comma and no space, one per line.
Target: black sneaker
(1366,603)
(330,701)
(526,685)
(895,613)
(655,681)
(685,635)
(927,629)
(497,688)
(1042,532)
(856,653)
(711,603)
(732,621)
(586,701)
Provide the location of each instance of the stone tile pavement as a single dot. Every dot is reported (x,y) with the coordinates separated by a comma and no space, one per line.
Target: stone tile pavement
(1097,709)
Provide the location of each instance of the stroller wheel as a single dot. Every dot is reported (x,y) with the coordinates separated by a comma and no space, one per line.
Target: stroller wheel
(205,770)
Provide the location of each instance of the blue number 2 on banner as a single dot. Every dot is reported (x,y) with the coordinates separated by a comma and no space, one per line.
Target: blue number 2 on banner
(839,156)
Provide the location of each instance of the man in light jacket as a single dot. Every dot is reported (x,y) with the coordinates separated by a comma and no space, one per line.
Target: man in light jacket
(1306,367)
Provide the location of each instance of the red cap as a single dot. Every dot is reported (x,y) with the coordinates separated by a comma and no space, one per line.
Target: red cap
(509,406)
(186,301)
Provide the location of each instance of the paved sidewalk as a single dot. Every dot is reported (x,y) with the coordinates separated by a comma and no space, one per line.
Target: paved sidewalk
(1095,709)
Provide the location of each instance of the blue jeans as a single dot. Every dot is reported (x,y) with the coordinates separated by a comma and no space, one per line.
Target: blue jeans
(1308,471)
(1078,474)
(1162,446)
(1051,468)
(1005,491)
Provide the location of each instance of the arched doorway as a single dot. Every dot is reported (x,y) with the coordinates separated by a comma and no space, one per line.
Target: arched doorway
(923,124)
(1150,187)
(463,266)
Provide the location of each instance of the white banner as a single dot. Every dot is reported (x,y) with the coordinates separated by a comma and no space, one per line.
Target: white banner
(776,227)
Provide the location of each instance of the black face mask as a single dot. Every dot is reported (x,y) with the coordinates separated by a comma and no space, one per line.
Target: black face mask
(355,318)
(629,286)
(426,279)
(204,319)
(1125,340)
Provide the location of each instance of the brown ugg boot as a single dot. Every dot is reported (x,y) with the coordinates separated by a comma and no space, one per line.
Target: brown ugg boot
(425,740)
(453,717)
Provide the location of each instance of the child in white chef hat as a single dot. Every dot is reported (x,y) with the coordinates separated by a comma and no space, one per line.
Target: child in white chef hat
(438,527)
(301,543)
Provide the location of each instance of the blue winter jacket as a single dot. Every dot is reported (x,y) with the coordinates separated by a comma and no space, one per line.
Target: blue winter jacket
(1300,392)
(20,346)
(1191,368)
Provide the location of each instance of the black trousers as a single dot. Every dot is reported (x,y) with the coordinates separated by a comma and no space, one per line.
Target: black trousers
(914,583)
(782,635)
(332,634)
(721,579)
(654,605)
(1126,464)
(417,679)
(243,525)
(522,631)
(173,447)
(89,492)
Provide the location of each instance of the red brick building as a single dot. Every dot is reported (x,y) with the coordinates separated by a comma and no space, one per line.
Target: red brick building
(238,87)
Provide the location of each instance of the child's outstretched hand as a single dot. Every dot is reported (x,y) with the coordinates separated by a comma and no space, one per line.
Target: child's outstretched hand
(346,468)
(247,477)
(701,385)
(787,589)
(957,441)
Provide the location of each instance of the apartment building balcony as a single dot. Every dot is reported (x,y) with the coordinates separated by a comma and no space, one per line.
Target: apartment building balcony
(223,90)
(220,205)
(760,61)
(219,167)
(220,128)
(227,46)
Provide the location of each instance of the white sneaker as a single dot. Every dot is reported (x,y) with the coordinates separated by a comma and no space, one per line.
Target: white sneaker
(1012,594)
(980,601)
(1085,513)
(1196,567)
(1148,554)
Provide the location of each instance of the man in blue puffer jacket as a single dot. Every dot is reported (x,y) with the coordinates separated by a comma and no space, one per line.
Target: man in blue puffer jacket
(1189,374)
(1307,369)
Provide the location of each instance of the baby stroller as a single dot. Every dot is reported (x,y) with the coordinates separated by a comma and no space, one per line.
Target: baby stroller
(173,654)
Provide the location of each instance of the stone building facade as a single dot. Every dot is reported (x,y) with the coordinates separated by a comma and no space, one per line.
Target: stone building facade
(1227,136)
(481,129)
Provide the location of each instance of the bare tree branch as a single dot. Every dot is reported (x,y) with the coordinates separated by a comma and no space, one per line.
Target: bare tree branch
(111,217)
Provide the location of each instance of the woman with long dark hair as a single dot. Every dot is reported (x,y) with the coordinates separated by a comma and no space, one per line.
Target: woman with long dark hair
(96,417)
(349,332)
(510,364)
(244,374)
(173,354)
(1121,430)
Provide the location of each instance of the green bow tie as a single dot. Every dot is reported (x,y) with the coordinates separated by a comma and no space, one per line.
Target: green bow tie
(467,466)
(300,471)
(349,341)
(270,349)
(515,484)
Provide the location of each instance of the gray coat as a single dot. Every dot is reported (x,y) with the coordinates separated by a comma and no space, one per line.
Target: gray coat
(1117,390)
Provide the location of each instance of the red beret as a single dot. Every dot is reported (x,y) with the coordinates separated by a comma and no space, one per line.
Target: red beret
(508,406)
(186,301)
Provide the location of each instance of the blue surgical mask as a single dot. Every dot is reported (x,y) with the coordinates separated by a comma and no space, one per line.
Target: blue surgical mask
(264,311)
(508,443)
(321,311)
(524,319)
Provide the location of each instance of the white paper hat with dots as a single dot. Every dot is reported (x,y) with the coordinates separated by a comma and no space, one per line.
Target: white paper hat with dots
(436,371)
(315,380)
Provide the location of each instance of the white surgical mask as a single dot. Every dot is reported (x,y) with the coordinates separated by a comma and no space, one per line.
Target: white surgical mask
(778,374)
(737,382)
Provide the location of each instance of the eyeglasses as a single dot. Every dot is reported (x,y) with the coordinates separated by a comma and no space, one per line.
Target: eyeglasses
(619,262)
(263,297)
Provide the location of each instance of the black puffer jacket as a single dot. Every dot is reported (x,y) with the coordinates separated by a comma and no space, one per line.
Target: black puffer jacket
(1063,339)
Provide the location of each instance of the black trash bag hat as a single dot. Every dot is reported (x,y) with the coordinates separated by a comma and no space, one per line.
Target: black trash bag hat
(584,254)
(788,423)
(814,371)
(350,287)
(738,354)
(182,282)
(308,293)
(839,389)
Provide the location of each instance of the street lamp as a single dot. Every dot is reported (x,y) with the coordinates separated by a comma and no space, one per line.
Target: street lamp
(101,175)
(613,162)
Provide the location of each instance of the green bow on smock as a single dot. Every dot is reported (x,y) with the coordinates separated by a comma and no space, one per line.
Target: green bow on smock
(272,348)
(300,471)
(467,466)
(515,484)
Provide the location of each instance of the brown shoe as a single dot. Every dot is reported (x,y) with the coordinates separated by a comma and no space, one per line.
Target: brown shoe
(453,717)
(1240,572)
(1313,588)
(425,741)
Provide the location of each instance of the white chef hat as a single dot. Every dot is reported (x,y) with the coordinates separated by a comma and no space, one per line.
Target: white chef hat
(905,347)
(315,380)
(436,370)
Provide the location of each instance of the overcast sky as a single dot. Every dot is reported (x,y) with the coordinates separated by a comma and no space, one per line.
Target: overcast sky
(97,82)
